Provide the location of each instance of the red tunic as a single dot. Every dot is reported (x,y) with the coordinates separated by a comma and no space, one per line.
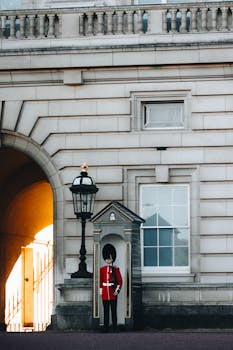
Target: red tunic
(106,279)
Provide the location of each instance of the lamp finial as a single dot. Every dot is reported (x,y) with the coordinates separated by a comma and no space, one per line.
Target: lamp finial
(84,168)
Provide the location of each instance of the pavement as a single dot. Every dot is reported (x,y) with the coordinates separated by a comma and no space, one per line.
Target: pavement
(143,340)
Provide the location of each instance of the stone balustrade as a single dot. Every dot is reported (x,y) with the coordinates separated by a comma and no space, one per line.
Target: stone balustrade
(123,21)
(29,25)
(204,17)
(102,21)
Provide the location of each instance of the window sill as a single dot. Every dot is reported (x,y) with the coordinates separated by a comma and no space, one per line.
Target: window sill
(168,277)
(160,128)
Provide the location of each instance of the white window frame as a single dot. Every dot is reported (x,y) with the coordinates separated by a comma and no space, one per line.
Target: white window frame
(139,99)
(144,106)
(165,269)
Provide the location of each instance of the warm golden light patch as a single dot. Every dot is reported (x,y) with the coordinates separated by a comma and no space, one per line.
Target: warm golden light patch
(29,287)
(30,211)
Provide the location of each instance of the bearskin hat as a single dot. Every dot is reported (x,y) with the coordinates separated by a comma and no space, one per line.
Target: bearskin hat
(109,251)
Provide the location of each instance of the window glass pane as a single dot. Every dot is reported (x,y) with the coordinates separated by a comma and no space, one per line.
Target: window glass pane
(180,195)
(164,195)
(150,256)
(181,237)
(150,237)
(180,216)
(165,237)
(165,216)
(149,196)
(164,114)
(150,216)
(181,256)
(166,210)
(165,257)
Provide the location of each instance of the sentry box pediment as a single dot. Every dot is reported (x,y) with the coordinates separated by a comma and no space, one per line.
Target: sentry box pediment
(116,213)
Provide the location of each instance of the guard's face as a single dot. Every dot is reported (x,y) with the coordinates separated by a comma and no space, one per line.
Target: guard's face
(108,261)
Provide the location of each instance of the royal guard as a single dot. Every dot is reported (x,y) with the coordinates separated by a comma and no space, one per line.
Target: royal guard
(110,286)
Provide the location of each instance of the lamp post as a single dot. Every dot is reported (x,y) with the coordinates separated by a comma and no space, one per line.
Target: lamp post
(83,190)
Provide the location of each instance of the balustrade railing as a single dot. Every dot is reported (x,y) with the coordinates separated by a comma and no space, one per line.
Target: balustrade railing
(113,22)
(123,20)
(205,18)
(29,26)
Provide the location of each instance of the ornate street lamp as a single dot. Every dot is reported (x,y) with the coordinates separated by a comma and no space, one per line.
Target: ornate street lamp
(83,190)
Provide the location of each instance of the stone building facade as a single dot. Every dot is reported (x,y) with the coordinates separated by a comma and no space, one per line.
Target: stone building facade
(142,93)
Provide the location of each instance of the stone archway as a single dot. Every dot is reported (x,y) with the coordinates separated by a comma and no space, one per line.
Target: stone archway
(28,185)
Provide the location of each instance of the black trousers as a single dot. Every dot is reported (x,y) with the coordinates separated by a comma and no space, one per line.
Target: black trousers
(107,305)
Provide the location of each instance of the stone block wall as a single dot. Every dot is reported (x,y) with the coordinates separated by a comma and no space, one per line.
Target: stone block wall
(96,120)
